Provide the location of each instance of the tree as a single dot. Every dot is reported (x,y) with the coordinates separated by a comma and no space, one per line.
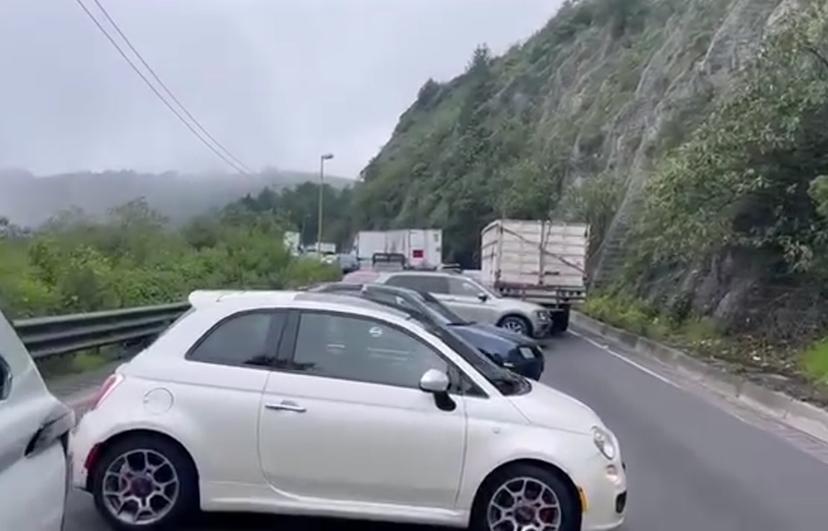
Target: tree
(818,190)
(481,59)
(427,93)
(623,15)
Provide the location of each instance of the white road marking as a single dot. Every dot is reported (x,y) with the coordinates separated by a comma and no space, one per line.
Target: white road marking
(626,359)
(732,406)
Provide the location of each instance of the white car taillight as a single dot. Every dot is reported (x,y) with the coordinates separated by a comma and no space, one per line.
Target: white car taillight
(106,389)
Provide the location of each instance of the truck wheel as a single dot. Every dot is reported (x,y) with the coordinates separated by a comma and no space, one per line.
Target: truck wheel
(560,321)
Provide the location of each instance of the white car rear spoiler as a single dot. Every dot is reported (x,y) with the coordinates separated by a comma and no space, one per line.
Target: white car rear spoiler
(202,298)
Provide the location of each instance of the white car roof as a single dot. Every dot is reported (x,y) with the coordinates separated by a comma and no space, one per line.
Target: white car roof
(251,299)
(200,298)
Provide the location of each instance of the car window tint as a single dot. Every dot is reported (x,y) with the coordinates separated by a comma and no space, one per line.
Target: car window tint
(459,286)
(361,349)
(428,283)
(239,340)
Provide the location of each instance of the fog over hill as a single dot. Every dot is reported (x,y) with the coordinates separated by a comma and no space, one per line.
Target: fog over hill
(30,200)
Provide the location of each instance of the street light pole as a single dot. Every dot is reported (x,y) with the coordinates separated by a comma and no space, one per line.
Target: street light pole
(322,159)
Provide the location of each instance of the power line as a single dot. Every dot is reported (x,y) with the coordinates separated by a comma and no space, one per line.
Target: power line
(155,91)
(167,89)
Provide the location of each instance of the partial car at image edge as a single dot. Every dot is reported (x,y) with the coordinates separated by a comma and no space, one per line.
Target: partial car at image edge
(34,433)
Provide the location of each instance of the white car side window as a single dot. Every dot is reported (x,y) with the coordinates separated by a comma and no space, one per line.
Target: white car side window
(361,349)
(239,340)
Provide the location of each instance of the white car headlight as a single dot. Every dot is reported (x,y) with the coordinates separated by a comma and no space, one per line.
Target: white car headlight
(542,315)
(604,442)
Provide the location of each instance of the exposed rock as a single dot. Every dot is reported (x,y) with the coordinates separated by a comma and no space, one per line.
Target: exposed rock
(613,103)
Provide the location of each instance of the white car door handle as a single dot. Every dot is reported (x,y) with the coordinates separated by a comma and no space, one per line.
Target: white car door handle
(286,405)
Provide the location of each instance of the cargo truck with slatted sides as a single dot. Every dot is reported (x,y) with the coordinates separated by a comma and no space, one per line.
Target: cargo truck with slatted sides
(539,261)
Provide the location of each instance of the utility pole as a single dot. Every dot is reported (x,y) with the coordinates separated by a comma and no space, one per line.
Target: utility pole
(322,159)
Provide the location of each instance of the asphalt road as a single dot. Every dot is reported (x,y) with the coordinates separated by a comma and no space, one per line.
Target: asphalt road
(695,463)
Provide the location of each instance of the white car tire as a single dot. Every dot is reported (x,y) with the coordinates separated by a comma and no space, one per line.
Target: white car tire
(526,496)
(150,478)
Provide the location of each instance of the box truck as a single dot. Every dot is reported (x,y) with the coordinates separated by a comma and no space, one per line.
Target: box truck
(422,248)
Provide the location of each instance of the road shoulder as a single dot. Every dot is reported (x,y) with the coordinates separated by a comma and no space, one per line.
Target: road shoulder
(802,424)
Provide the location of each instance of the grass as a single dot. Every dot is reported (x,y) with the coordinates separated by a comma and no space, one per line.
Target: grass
(806,373)
(89,361)
(815,361)
(697,330)
(639,318)
(629,314)
(85,361)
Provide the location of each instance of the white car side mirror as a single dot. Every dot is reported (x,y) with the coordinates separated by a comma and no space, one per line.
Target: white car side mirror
(434,381)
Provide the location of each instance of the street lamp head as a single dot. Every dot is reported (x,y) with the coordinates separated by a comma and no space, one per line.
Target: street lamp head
(327,156)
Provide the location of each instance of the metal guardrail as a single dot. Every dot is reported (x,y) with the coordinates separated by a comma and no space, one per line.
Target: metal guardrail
(64,334)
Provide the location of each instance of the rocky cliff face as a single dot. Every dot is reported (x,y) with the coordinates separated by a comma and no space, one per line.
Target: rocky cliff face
(570,125)
(705,47)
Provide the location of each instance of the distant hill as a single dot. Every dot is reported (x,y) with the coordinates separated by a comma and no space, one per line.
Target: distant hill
(30,200)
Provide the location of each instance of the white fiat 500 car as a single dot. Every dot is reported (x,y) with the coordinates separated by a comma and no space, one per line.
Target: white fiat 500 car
(310,403)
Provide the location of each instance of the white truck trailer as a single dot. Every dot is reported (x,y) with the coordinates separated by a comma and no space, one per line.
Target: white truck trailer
(540,261)
(422,248)
(292,243)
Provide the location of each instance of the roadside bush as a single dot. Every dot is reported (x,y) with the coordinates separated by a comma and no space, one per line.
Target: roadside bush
(629,314)
(303,272)
(134,258)
(815,361)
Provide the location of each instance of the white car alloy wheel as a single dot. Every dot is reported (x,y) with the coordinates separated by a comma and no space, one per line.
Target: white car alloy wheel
(144,482)
(525,497)
(524,504)
(140,487)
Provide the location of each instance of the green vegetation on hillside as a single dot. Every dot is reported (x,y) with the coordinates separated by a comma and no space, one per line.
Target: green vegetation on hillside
(298,207)
(749,186)
(133,257)
(511,135)
(752,175)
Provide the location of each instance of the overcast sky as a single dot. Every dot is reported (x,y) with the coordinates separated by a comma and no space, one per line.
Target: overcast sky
(276,81)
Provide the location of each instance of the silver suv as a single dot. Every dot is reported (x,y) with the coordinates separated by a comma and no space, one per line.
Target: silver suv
(473,301)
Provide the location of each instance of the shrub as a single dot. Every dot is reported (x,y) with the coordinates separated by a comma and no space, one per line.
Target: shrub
(815,361)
